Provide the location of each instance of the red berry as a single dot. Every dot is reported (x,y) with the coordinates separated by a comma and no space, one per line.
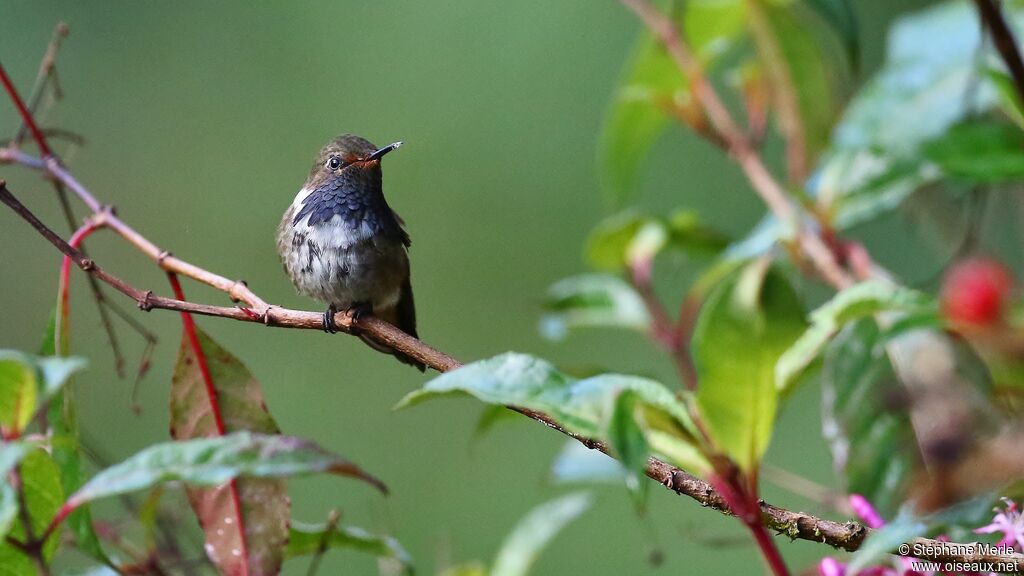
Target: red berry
(975,291)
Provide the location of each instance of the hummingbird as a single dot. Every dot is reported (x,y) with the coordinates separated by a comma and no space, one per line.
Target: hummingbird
(342,244)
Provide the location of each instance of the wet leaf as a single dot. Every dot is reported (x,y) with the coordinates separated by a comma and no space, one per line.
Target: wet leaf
(310,538)
(245,514)
(743,329)
(592,301)
(213,461)
(522,547)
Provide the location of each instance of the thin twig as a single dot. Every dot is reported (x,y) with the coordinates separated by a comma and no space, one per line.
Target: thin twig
(47,74)
(1006,44)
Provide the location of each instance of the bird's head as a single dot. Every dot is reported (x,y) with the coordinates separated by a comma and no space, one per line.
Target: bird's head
(348,155)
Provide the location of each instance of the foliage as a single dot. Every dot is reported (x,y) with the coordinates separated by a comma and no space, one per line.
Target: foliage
(921,401)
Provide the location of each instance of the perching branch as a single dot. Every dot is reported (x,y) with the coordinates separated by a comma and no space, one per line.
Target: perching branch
(796,525)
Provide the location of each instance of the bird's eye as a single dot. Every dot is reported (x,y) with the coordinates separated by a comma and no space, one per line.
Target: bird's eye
(334,163)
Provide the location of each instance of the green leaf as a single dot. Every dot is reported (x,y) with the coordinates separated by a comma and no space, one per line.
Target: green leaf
(743,329)
(982,151)
(11,454)
(840,17)
(625,436)
(650,82)
(1009,99)
(582,406)
(767,233)
(873,447)
(884,541)
(311,538)
(250,514)
(18,391)
(63,423)
(608,247)
(919,92)
(43,496)
(213,461)
(629,443)
(27,382)
(850,304)
(916,97)
(798,76)
(630,237)
(860,185)
(592,301)
(713,27)
(535,531)
(577,463)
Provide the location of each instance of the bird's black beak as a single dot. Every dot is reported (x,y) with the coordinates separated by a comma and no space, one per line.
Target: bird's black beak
(380,153)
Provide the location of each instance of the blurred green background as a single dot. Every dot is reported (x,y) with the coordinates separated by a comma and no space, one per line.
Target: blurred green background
(201,123)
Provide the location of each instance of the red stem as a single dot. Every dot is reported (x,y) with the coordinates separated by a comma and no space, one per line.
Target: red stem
(745,504)
(26,115)
(189,327)
(65,281)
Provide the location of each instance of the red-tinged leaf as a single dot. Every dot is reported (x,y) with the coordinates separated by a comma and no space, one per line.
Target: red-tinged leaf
(246,520)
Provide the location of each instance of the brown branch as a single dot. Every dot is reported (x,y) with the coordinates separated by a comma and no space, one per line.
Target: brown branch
(1006,44)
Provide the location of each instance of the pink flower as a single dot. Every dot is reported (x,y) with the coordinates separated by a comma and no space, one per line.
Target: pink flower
(1010,522)
(864,509)
(831,567)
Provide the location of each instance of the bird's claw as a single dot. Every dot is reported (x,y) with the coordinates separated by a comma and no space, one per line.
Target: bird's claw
(357,311)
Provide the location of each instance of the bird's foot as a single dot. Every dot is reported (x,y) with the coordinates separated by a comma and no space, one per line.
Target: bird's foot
(357,311)
(329,326)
